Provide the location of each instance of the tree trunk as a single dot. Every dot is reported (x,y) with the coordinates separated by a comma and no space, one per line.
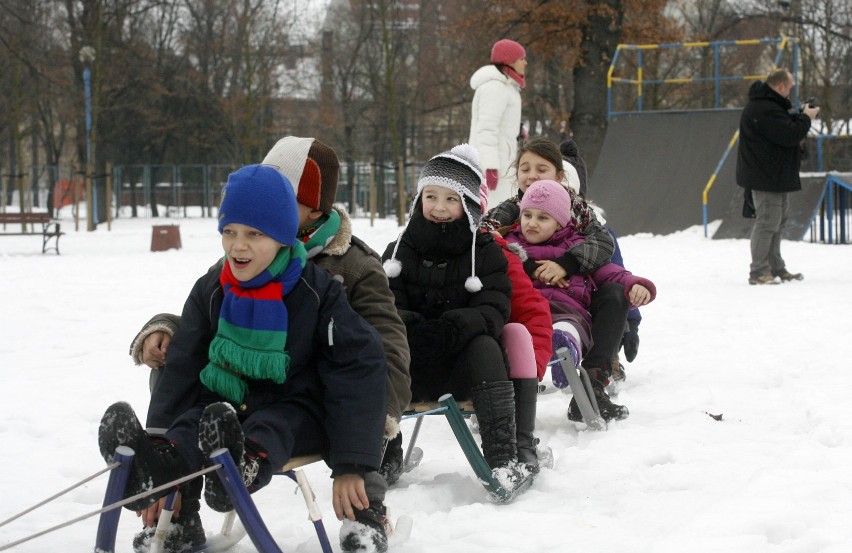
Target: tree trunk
(589,118)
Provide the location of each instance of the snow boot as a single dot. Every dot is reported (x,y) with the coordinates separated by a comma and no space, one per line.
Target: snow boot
(391,468)
(495,409)
(155,462)
(562,339)
(184,534)
(526,390)
(220,428)
(608,410)
(368,532)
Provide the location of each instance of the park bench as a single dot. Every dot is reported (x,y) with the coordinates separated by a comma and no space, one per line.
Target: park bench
(30,226)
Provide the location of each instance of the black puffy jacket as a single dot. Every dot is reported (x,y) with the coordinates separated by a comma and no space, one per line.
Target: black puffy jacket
(769,157)
(436,261)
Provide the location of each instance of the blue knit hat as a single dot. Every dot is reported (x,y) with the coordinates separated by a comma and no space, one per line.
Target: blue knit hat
(259,196)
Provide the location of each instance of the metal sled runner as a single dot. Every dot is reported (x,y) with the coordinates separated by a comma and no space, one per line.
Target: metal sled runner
(581,388)
(448,407)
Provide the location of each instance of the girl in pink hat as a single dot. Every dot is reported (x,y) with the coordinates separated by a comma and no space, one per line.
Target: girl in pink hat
(547,230)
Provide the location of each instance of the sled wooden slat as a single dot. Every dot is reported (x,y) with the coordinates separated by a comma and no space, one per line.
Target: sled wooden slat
(465,406)
(300,461)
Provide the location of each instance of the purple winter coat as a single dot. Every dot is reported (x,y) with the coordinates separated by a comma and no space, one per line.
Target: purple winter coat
(578,294)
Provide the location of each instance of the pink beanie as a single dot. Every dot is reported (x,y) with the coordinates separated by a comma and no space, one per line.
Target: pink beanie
(507,51)
(550,197)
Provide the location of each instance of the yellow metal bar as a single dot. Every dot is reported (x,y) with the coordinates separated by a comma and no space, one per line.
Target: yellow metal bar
(751,42)
(754,77)
(695,44)
(639,83)
(706,193)
(609,75)
(682,80)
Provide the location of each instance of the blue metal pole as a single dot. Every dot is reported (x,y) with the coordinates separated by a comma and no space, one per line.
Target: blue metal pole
(718,101)
(87,85)
(108,524)
(232,480)
(640,62)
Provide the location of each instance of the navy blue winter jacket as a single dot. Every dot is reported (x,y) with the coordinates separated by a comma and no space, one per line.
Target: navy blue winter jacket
(337,368)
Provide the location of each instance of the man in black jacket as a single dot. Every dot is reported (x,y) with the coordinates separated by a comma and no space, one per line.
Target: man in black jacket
(768,162)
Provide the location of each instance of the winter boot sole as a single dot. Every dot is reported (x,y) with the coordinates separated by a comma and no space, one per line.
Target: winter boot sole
(220,428)
(120,426)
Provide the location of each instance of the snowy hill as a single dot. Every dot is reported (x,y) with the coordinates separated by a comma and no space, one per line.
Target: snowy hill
(773,475)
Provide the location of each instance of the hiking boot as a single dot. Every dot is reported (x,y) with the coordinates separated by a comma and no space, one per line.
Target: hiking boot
(764,279)
(608,410)
(220,428)
(155,462)
(787,276)
(183,534)
(562,339)
(369,530)
(391,468)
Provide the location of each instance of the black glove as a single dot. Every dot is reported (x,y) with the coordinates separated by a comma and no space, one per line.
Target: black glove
(432,338)
(410,318)
(630,340)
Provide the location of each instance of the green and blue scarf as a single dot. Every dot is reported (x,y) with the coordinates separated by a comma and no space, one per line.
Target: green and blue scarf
(251,341)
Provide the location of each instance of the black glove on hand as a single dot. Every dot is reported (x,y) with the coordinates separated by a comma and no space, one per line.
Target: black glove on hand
(410,318)
(433,338)
(630,341)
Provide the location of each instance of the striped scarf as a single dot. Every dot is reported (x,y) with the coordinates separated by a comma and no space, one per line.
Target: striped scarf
(251,341)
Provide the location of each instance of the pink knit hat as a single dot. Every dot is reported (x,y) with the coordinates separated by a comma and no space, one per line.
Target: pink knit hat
(550,197)
(507,51)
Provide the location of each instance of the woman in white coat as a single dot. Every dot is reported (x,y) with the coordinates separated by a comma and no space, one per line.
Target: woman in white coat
(496,115)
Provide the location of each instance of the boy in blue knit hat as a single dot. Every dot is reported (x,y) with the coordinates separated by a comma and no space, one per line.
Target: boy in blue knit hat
(270,362)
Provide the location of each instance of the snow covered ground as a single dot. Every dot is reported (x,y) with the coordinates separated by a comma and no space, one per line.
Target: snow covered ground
(773,475)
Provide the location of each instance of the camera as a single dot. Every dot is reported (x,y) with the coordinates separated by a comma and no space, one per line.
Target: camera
(809,103)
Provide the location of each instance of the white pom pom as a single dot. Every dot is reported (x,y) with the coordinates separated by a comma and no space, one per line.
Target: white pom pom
(392,267)
(468,152)
(473,284)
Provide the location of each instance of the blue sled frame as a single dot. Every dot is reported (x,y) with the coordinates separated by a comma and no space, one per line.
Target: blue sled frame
(244,507)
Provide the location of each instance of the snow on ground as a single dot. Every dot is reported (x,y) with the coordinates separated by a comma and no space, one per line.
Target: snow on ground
(773,475)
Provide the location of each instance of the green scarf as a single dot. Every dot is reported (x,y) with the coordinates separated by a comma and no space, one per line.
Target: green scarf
(317,236)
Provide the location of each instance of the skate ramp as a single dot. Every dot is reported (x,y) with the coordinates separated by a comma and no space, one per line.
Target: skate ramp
(803,206)
(653,169)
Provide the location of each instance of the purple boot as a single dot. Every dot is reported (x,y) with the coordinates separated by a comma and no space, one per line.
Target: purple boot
(562,339)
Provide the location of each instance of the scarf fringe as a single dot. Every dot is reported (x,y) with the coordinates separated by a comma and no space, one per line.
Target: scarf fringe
(225,383)
(254,364)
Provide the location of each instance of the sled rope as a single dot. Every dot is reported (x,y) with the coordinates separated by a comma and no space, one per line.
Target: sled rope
(60,494)
(116,505)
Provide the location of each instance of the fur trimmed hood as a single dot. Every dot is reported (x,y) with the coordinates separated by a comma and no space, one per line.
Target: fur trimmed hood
(341,242)
(518,250)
